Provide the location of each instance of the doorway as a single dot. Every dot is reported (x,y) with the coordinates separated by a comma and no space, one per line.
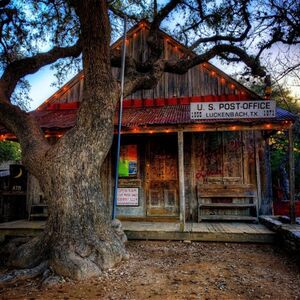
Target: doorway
(162,176)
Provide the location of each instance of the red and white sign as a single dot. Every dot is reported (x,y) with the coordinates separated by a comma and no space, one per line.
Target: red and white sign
(128,197)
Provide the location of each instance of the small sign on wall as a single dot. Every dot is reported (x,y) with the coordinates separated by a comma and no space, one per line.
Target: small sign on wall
(128,197)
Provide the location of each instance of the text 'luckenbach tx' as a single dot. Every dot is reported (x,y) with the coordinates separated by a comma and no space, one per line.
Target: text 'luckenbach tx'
(233,110)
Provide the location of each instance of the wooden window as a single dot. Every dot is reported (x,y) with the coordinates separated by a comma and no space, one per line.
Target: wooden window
(170,198)
(219,157)
(224,157)
(155,198)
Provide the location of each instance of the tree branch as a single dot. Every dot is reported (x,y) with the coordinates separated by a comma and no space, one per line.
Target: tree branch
(154,41)
(146,76)
(137,81)
(25,127)
(228,38)
(122,14)
(164,12)
(183,65)
(30,136)
(287,71)
(29,65)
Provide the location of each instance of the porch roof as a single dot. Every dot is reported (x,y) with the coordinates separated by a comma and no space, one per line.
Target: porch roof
(138,114)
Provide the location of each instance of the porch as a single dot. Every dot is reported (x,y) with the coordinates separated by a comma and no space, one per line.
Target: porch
(204,231)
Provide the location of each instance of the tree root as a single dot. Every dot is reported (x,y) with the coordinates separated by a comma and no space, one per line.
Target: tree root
(84,260)
(52,280)
(76,257)
(24,274)
(118,229)
(28,255)
(8,247)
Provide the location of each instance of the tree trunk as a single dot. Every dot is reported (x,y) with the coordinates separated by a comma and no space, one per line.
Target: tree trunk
(80,234)
(80,240)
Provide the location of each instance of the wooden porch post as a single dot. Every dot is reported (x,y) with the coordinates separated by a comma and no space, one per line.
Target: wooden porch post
(258,174)
(292,176)
(181,180)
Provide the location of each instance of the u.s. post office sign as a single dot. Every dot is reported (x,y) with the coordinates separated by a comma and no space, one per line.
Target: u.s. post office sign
(233,110)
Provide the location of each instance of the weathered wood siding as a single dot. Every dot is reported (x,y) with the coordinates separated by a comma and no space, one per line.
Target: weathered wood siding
(210,158)
(199,81)
(137,181)
(223,159)
(266,205)
(156,179)
(218,159)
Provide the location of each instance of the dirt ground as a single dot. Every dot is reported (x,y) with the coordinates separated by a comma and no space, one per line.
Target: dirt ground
(178,270)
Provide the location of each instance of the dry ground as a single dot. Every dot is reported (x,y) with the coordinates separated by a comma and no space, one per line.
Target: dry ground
(177,270)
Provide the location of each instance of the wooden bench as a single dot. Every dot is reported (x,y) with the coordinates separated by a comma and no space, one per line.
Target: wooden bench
(228,200)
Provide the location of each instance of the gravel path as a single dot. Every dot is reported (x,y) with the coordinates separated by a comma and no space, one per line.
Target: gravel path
(178,270)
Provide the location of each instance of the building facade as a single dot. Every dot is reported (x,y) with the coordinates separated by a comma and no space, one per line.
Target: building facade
(174,167)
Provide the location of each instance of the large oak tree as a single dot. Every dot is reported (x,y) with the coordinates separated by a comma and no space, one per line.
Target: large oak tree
(80,239)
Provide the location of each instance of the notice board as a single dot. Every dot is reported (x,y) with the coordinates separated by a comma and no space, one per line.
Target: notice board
(128,197)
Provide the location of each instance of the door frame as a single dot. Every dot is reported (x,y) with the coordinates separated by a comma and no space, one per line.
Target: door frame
(162,211)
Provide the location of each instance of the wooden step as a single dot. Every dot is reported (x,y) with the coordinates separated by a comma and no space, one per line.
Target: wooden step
(205,231)
(39,215)
(226,205)
(226,194)
(38,211)
(39,205)
(227,218)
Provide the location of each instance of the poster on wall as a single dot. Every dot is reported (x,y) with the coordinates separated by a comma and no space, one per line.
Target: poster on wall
(128,197)
(128,161)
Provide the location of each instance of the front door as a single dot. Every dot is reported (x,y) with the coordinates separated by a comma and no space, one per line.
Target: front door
(162,176)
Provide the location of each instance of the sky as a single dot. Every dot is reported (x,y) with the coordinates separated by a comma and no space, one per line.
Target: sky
(42,86)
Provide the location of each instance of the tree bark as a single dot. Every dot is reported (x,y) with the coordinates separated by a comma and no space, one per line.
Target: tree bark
(80,239)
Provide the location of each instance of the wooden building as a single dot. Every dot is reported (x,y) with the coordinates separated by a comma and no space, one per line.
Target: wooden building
(172,167)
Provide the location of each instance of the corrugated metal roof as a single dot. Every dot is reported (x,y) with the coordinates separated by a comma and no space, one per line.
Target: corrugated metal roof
(284,115)
(56,118)
(180,114)
(159,115)
(145,116)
